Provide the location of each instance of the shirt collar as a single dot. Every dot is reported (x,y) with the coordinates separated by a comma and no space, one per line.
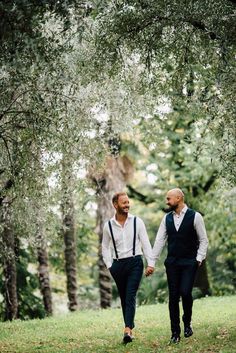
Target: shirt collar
(183,211)
(113,219)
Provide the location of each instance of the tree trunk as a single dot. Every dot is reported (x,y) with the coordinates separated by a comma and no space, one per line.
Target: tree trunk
(68,231)
(43,271)
(9,263)
(42,255)
(104,212)
(114,179)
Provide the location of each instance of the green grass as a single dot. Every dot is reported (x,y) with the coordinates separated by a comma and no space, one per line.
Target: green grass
(214,324)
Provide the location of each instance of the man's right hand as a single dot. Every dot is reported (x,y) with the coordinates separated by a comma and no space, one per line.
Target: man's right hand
(149,271)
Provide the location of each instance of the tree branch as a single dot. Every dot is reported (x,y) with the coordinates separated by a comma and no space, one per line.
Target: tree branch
(196,189)
(232,1)
(133,193)
(195,23)
(200,25)
(210,181)
(9,183)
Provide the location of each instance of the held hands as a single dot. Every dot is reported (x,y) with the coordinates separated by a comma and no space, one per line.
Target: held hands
(149,271)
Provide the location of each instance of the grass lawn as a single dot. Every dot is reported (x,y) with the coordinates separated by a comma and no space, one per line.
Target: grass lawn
(214,325)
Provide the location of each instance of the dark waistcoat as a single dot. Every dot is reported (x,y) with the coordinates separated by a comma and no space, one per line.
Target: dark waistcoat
(184,242)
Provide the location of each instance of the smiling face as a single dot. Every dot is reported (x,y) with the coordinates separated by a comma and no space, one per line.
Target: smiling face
(122,205)
(174,198)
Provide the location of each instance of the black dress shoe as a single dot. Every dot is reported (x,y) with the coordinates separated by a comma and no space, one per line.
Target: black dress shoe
(188,331)
(127,338)
(175,338)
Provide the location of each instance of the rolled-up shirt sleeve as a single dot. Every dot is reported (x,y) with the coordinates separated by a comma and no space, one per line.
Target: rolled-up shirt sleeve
(160,241)
(202,236)
(106,246)
(145,243)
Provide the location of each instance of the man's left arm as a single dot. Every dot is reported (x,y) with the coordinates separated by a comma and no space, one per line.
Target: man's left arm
(202,237)
(146,246)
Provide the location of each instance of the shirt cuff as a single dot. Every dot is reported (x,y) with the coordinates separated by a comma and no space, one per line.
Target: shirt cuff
(199,258)
(151,263)
(108,264)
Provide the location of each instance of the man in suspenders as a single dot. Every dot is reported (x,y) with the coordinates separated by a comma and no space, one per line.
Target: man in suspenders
(184,231)
(124,239)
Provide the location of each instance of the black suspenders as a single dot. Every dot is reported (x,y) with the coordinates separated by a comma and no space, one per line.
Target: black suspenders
(134,241)
(113,240)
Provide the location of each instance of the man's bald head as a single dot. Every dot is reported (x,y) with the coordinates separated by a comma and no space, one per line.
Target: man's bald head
(176,192)
(175,198)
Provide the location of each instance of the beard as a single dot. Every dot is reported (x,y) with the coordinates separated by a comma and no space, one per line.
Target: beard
(124,210)
(170,208)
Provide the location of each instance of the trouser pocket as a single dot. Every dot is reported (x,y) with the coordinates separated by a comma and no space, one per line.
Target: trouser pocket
(113,268)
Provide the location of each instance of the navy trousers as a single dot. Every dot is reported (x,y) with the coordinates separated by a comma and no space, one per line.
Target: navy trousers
(180,276)
(127,274)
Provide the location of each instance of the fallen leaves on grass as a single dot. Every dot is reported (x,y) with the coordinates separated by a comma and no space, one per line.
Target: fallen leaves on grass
(223,333)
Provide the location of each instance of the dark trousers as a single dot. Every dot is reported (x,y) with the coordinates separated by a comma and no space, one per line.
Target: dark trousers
(127,274)
(180,275)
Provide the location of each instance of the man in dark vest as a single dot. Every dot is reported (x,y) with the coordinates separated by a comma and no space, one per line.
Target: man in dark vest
(124,240)
(185,233)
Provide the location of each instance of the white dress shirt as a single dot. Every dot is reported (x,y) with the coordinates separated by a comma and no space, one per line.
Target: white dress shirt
(200,229)
(124,236)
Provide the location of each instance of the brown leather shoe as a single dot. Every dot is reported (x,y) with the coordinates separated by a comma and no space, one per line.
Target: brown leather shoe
(127,338)
(127,335)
